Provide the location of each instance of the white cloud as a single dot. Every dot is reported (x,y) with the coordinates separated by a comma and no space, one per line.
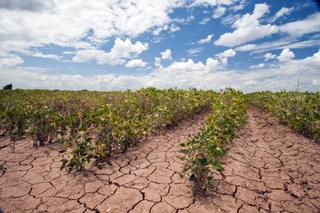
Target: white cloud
(24,24)
(125,49)
(248,19)
(41,55)
(205,40)
(316,56)
(204,21)
(223,56)
(184,20)
(299,28)
(194,51)
(269,56)
(218,12)
(230,19)
(281,43)
(282,12)
(136,63)
(227,53)
(157,62)
(248,28)
(166,54)
(191,67)
(100,56)
(122,49)
(187,66)
(240,5)
(212,2)
(295,30)
(286,55)
(204,75)
(246,47)
(9,60)
(257,66)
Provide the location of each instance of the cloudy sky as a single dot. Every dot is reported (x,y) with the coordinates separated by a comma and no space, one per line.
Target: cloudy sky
(129,44)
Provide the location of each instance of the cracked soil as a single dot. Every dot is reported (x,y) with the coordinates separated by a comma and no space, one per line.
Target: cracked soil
(268,168)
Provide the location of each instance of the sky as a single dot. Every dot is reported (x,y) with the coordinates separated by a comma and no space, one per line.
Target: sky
(130,44)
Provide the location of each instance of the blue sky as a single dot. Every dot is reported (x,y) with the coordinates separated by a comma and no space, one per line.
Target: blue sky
(129,44)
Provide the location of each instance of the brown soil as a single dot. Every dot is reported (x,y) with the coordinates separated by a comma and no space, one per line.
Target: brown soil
(269,168)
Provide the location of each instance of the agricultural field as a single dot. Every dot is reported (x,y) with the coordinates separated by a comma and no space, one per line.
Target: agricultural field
(95,125)
(173,106)
(301,111)
(155,150)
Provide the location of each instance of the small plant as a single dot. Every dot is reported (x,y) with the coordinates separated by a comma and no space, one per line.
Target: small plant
(82,153)
(202,159)
(203,152)
(17,117)
(43,125)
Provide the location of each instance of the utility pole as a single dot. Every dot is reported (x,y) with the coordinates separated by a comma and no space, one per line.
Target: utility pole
(298,85)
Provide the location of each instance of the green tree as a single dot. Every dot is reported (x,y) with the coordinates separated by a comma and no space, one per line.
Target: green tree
(8,87)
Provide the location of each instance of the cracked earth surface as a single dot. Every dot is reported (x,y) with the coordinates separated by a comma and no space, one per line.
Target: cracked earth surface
(268,168)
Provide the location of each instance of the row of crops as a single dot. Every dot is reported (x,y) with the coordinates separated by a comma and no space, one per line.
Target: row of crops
(299,110)
(95,125)
(204,151)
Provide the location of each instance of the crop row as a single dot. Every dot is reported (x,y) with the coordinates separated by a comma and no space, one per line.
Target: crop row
(204,151)
(95,125)
(299,110)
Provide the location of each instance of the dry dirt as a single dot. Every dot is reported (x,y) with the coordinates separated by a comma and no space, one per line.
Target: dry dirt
(269,168)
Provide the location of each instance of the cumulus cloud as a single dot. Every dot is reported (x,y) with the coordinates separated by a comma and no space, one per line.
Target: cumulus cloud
(218,12)
(269,56)
(316,56)
(248,28)
(204,75)
(205,40)
(282,12)
(125,49)
(286,55)
(136,63)
(190,66)
(166,55)
(227,53)
(122,49)
(78,24)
